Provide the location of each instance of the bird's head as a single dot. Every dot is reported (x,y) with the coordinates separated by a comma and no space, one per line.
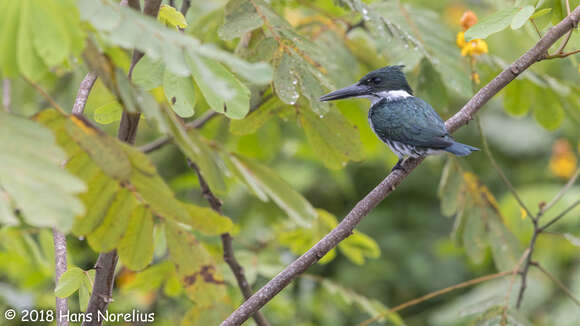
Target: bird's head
(375,85)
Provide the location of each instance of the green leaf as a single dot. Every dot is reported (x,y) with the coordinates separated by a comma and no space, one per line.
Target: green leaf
(136,246)
(334,140)
(359,246)
(203,283)
(286,80)
(102,191)
(151,278)
(51,38)
(9,37)
(212,315)
(108,113)
(450,189)
(522,17)
(574,240)
(504,245)
(207,221)
(268,181)
(256,119)
(222,91)
(517,98)
(7,216)
(29,61)
(474,234)
(31,164)
(171,17)
(558,11)
(108,234)
(491,24)
(86,289)
(69,282)
(124,27)
(548,110)
(240,17)
(541,13)
(102,148)
(431,87)
(179,92)
(148,74)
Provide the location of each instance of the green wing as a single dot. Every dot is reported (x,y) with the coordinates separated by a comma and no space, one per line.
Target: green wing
(410,121)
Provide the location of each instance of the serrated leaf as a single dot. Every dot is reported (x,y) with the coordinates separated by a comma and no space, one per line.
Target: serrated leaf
(31,163)
(207,221)
(108,234)
(171,17)
(180,93)
(240,17)
(108,113)
(203,283)
(522,17)
(69,282)
(268,181)
(491,24)
(136,247)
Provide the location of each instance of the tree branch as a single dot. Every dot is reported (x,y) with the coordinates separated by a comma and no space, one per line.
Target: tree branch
(389,184)
(7,95)
(185,7)
(558,282)
(229,256)
(83,92)
(107,262)
(60,266)
(560,194)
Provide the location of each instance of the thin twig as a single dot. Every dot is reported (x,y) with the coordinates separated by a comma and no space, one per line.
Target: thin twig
(526,268)
(555,219)
(567,37)
(560,194)
(390,183)
(229,256)
(44,94)
(435,294)
(60,266)
(7,95)
(536,27)
(83,92)
(499,171)
(558,282)
(561,55)
(511,285)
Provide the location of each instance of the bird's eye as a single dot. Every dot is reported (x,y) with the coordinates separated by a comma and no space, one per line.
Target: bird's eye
(376,80)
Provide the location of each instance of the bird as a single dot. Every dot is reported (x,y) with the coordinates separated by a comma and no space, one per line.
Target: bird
(406,123)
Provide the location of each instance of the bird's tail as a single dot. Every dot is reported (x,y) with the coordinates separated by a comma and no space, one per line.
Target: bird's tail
(460,149)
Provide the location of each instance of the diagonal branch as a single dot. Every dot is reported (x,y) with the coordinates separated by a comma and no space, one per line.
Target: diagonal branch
(60,266)
(390,183)
(229,257)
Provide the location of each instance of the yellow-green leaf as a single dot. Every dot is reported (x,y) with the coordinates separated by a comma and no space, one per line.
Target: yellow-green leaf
(136,247)
(171,17)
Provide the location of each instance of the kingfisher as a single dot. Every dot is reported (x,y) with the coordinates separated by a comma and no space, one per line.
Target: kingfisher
(407,124)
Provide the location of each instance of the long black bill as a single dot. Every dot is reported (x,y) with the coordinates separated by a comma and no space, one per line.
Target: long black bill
(349,91)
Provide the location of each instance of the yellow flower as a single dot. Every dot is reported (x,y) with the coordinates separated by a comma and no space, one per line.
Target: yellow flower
(468,19)
(474,47)
(563,161)
(475,78)
(460,40)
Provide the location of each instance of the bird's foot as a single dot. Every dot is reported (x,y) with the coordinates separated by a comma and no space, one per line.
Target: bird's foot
(399,166)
